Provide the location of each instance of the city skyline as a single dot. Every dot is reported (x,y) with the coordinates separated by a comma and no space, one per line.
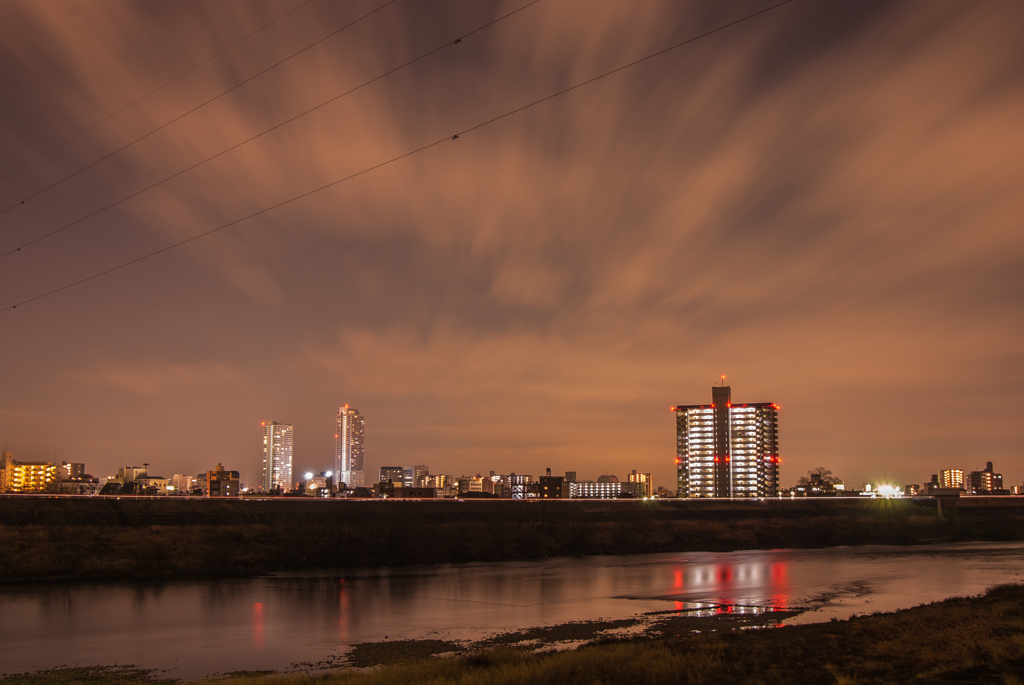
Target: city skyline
(821,201)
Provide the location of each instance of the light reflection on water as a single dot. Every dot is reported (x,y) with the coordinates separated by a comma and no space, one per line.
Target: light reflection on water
(197,628)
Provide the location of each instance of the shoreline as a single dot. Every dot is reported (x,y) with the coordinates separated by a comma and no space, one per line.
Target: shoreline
(961,640)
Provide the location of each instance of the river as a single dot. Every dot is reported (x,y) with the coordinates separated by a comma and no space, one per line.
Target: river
(189,629)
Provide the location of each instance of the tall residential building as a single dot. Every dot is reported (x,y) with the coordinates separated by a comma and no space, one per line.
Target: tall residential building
(727,450)
(277,456)
(348,451)
(951,478)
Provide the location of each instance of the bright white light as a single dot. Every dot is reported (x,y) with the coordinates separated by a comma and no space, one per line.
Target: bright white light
(309,476)
(329,474)
(888,491)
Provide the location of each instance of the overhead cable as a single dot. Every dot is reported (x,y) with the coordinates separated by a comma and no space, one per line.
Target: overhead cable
(447,138)
(266,131)
(154,91)
(197,107)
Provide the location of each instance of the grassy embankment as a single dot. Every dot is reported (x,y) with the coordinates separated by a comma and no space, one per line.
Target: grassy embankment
(78,539)
(976,640)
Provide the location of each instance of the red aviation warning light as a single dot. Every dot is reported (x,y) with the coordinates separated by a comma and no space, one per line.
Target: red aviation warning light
(263,423)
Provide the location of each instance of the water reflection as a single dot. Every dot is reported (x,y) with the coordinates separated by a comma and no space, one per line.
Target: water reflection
(197,628)
(257,625)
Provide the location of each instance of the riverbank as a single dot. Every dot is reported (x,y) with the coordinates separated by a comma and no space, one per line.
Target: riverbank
(71,539)
(960,640)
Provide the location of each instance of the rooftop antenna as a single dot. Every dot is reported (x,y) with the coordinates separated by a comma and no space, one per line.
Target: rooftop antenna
(146,464)
(723,380)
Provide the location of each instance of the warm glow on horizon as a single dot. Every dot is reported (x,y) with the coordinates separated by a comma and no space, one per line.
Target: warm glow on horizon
(824,198)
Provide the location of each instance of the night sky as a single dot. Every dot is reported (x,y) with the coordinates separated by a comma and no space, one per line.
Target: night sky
(824,202)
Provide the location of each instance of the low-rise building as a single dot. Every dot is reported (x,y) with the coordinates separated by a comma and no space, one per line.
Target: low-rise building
(552,487)
(644,481)
(444,485)
(519,485)
(221,482)
(80,486)
(606,489)
(415,493)
(477,483)
(151,485)
(951,478)
(985,482)
(25,476)
(392,474)
(71,470)
(181,484)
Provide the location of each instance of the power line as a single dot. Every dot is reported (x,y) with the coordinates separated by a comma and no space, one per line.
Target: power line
(197,107)
(155,90)
(449,43)
(395,159)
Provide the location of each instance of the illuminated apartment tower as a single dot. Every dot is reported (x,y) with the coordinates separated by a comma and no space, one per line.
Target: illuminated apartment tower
(348,451)
(727,450)
(277,456)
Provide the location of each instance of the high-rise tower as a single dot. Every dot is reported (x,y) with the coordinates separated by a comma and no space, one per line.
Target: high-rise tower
(348,452)
(277,456)
(727,450)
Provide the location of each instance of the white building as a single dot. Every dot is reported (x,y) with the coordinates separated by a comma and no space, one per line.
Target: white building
(277,456)
(726,449)
(182,483)
(603,489)
(349,464)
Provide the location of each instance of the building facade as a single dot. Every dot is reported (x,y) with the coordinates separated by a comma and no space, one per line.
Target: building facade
(278,439)
(553,487)
(603,489)
(519,485)
(727,450)
(222,483)
(391,474)
(71,470)
(985,482)
(951,478)
(349,458)
(413,476)
(25,476)
(645,483)
(182,484)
